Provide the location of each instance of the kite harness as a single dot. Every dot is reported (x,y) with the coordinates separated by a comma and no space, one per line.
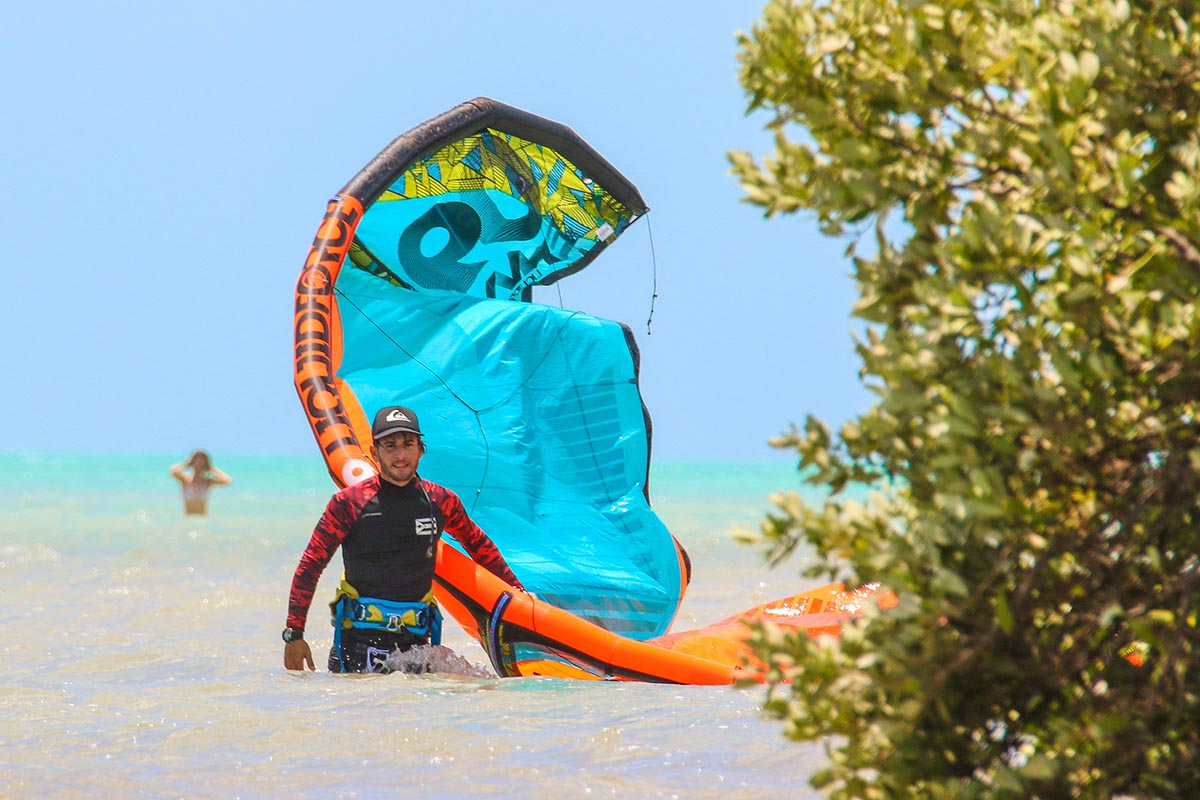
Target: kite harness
(422,619)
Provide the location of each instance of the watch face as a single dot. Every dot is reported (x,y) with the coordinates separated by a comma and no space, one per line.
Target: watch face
(290,634)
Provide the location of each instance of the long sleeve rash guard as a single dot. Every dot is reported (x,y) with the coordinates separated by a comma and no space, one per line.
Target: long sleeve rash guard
(389,535)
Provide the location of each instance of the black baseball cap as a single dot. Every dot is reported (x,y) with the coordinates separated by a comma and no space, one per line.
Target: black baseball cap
(394,419)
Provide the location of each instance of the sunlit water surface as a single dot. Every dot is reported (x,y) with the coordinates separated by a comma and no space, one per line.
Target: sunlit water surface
(142,657)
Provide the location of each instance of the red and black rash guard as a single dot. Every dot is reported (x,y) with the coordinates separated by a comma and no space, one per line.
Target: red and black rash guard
(389,535)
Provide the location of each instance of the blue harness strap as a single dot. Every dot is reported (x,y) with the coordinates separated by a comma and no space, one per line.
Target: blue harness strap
(422,619)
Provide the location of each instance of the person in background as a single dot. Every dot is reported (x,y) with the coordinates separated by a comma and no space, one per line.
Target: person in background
(196,477)
(388,527)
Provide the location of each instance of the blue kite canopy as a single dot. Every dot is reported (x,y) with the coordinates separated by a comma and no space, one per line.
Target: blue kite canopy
(418,291)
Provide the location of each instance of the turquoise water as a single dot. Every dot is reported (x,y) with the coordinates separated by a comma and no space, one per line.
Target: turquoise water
(142,656)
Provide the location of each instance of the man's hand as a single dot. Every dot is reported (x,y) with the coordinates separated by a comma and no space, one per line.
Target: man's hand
(296,654)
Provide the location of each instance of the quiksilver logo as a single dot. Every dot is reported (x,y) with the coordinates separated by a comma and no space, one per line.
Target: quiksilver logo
(396,415)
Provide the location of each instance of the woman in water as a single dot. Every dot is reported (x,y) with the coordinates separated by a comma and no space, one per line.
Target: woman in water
(197,476)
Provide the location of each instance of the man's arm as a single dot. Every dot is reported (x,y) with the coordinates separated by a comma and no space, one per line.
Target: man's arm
(326,538)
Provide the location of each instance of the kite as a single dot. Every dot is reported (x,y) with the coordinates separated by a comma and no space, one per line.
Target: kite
(418,291)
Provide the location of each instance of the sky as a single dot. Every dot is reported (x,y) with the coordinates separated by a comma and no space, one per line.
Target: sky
(164,168)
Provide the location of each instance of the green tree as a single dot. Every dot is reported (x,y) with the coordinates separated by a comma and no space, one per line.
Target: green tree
(1017,182)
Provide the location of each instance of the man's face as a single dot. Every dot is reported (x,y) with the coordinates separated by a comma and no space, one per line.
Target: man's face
(398,456)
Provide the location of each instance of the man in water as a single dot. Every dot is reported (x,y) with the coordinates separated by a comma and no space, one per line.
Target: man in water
(388,527)
(196,477)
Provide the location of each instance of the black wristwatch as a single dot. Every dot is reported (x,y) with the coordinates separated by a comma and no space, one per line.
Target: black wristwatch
(293,634)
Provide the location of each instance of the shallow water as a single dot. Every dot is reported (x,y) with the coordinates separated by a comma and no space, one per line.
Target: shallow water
(142,657)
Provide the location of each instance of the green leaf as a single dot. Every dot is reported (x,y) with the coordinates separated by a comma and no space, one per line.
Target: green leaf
(1004,615)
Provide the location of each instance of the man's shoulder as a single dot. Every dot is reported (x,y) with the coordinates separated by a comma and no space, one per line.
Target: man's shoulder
(357,492)
(436,491)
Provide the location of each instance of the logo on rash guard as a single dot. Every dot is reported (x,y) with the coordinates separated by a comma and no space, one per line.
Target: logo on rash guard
(426,526)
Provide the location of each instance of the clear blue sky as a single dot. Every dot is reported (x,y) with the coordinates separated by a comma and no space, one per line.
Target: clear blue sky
(164,167)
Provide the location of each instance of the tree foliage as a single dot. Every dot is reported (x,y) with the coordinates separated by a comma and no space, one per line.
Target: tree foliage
(1018,183)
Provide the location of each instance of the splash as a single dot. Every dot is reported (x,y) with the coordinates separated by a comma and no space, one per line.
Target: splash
(435,658)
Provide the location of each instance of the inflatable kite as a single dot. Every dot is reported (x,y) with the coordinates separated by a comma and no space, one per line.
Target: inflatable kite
(417,291)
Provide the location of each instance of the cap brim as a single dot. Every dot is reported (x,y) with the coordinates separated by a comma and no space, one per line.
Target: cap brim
(399,429)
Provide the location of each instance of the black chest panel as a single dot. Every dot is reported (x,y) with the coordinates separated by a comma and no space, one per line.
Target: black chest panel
(391,549)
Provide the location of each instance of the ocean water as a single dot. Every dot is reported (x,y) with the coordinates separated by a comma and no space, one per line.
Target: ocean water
(141,656)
